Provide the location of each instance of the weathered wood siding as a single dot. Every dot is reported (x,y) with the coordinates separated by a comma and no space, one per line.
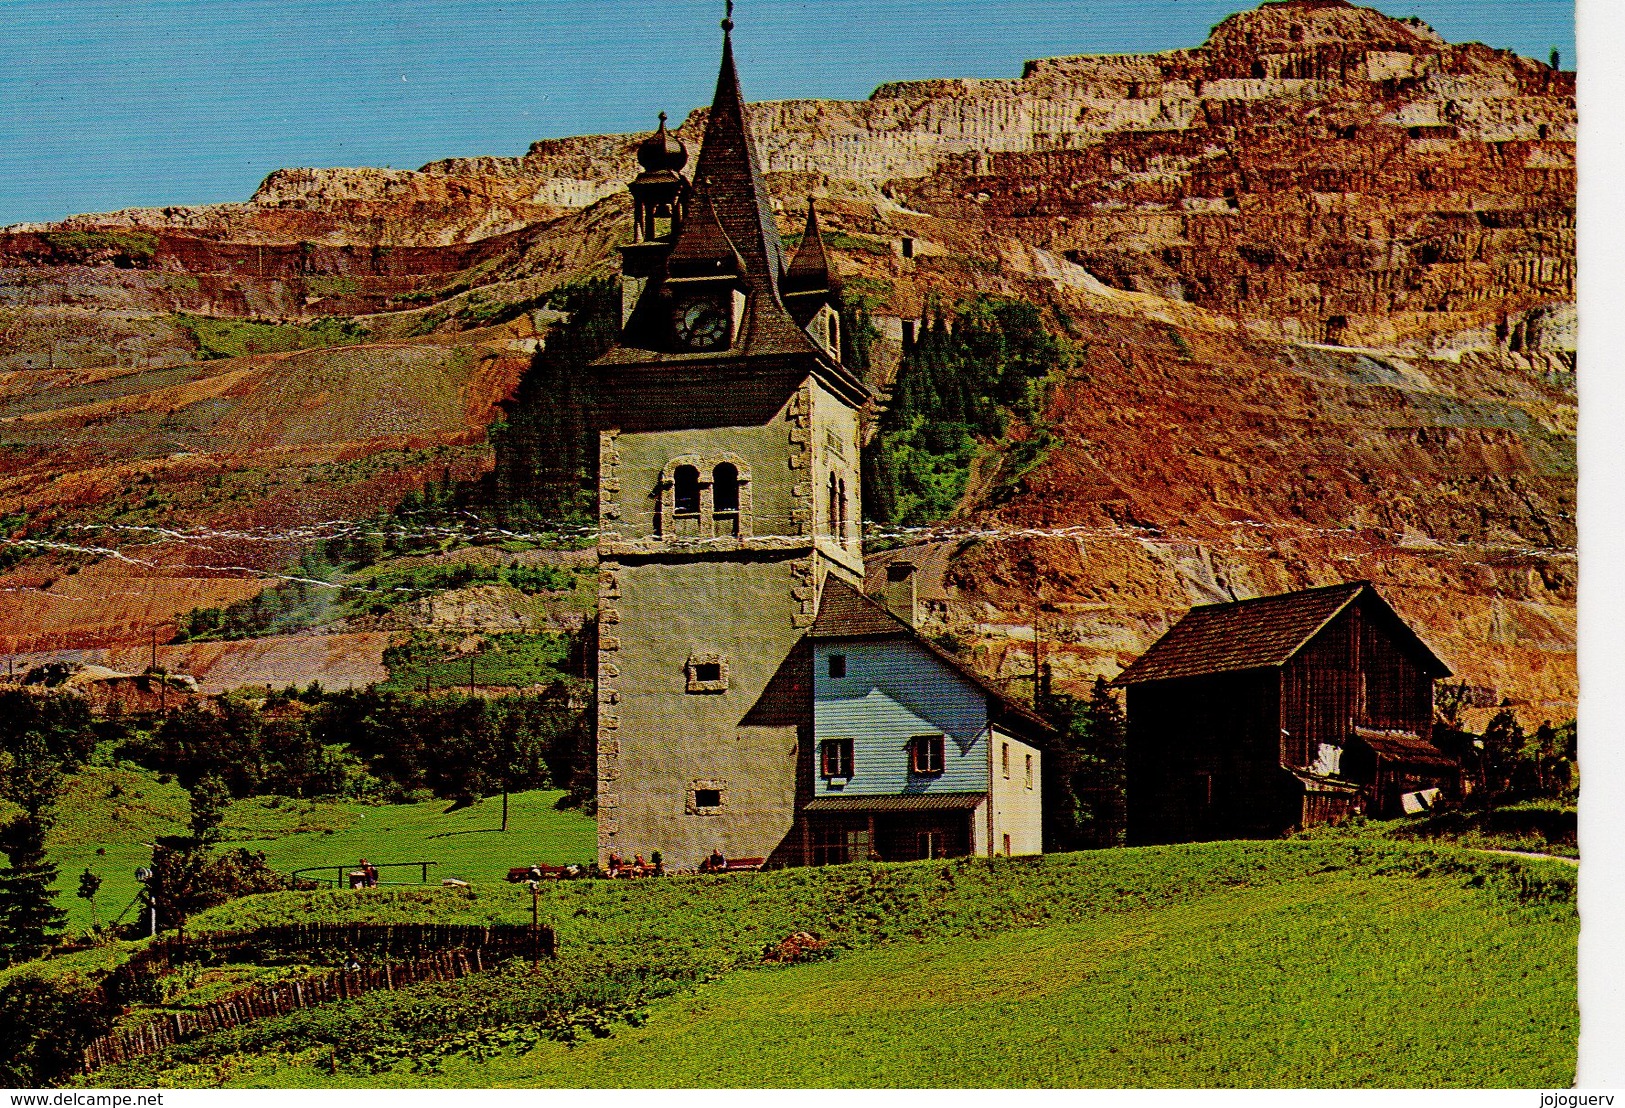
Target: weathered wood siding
(1352,674)
(1202,758)
(893,691)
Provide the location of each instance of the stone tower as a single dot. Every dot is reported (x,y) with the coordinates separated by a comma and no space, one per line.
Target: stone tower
(728,490)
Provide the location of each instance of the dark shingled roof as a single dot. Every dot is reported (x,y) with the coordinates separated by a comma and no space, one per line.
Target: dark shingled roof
(728,185)
(1259,633)
(1399,746)
(845,613)
(704,247)
(729,176)
(809,269)
(921,802)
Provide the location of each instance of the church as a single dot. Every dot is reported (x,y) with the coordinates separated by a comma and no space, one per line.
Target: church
(752,697)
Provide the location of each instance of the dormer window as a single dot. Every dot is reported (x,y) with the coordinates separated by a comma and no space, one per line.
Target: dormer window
(686,491)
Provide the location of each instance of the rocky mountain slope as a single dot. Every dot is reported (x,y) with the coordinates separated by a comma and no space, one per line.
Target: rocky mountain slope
(1317,274)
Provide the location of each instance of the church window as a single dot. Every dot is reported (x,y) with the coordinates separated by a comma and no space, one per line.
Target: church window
(837,666)
(706,798)
(926,755)
(686,490)
(725,489)
(840,505)
(834,505)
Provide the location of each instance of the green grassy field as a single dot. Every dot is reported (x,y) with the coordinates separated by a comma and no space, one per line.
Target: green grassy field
(117,810)
(1338,980)
(1329,963)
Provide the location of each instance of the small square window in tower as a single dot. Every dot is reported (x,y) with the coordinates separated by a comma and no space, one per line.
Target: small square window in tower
(706,798)
(706,673)
(837,666)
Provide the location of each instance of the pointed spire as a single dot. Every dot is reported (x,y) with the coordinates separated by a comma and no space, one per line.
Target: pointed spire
(730,176)
(809,271)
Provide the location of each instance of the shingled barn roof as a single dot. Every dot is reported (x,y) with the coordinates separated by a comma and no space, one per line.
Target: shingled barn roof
(845,613)
(1262,633)
(1396,746)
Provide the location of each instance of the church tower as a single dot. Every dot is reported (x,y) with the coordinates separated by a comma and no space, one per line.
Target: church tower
(728,491)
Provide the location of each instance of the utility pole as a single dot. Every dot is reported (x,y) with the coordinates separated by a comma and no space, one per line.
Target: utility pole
(535,927)
(507,765)
(1038,644)
(153,664)
(471,675)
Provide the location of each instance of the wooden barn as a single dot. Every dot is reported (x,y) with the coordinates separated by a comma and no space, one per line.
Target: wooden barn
(1251,718)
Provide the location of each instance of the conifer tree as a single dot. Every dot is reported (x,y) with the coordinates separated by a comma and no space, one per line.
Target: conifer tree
(29,916)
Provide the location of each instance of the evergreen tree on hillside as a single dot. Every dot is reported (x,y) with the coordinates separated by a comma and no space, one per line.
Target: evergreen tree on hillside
(1086,771)
(29,917)
(1503,744)
(955,391)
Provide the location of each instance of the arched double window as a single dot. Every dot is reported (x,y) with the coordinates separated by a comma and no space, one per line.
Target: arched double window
(704,498)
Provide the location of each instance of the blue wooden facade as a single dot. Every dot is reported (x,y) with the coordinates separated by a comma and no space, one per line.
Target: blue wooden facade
(893,691)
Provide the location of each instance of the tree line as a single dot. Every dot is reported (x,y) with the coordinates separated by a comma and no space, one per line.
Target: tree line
(971,371)
(365,744)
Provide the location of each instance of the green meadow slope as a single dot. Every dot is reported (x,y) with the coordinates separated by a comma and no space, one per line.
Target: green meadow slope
(109,815)
(1335,963)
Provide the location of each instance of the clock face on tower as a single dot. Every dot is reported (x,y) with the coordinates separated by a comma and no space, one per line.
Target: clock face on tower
(702,325)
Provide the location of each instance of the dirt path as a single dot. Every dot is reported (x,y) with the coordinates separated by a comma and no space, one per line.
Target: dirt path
(1529,854)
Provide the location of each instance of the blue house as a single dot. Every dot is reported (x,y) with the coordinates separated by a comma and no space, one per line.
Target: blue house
(915,756)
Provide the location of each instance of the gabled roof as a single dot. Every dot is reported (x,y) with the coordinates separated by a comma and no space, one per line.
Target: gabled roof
(845,613)
(1262,633)
(703,242)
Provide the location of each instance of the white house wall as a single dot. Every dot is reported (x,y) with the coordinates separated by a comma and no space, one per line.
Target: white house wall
(1018,809)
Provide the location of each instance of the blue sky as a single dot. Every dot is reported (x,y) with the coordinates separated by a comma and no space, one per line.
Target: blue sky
(110,105)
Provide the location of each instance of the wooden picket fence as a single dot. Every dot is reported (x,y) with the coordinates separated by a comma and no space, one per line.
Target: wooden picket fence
(459,950)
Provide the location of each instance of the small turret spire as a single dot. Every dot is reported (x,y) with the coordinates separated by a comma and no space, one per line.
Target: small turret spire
(728,20)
